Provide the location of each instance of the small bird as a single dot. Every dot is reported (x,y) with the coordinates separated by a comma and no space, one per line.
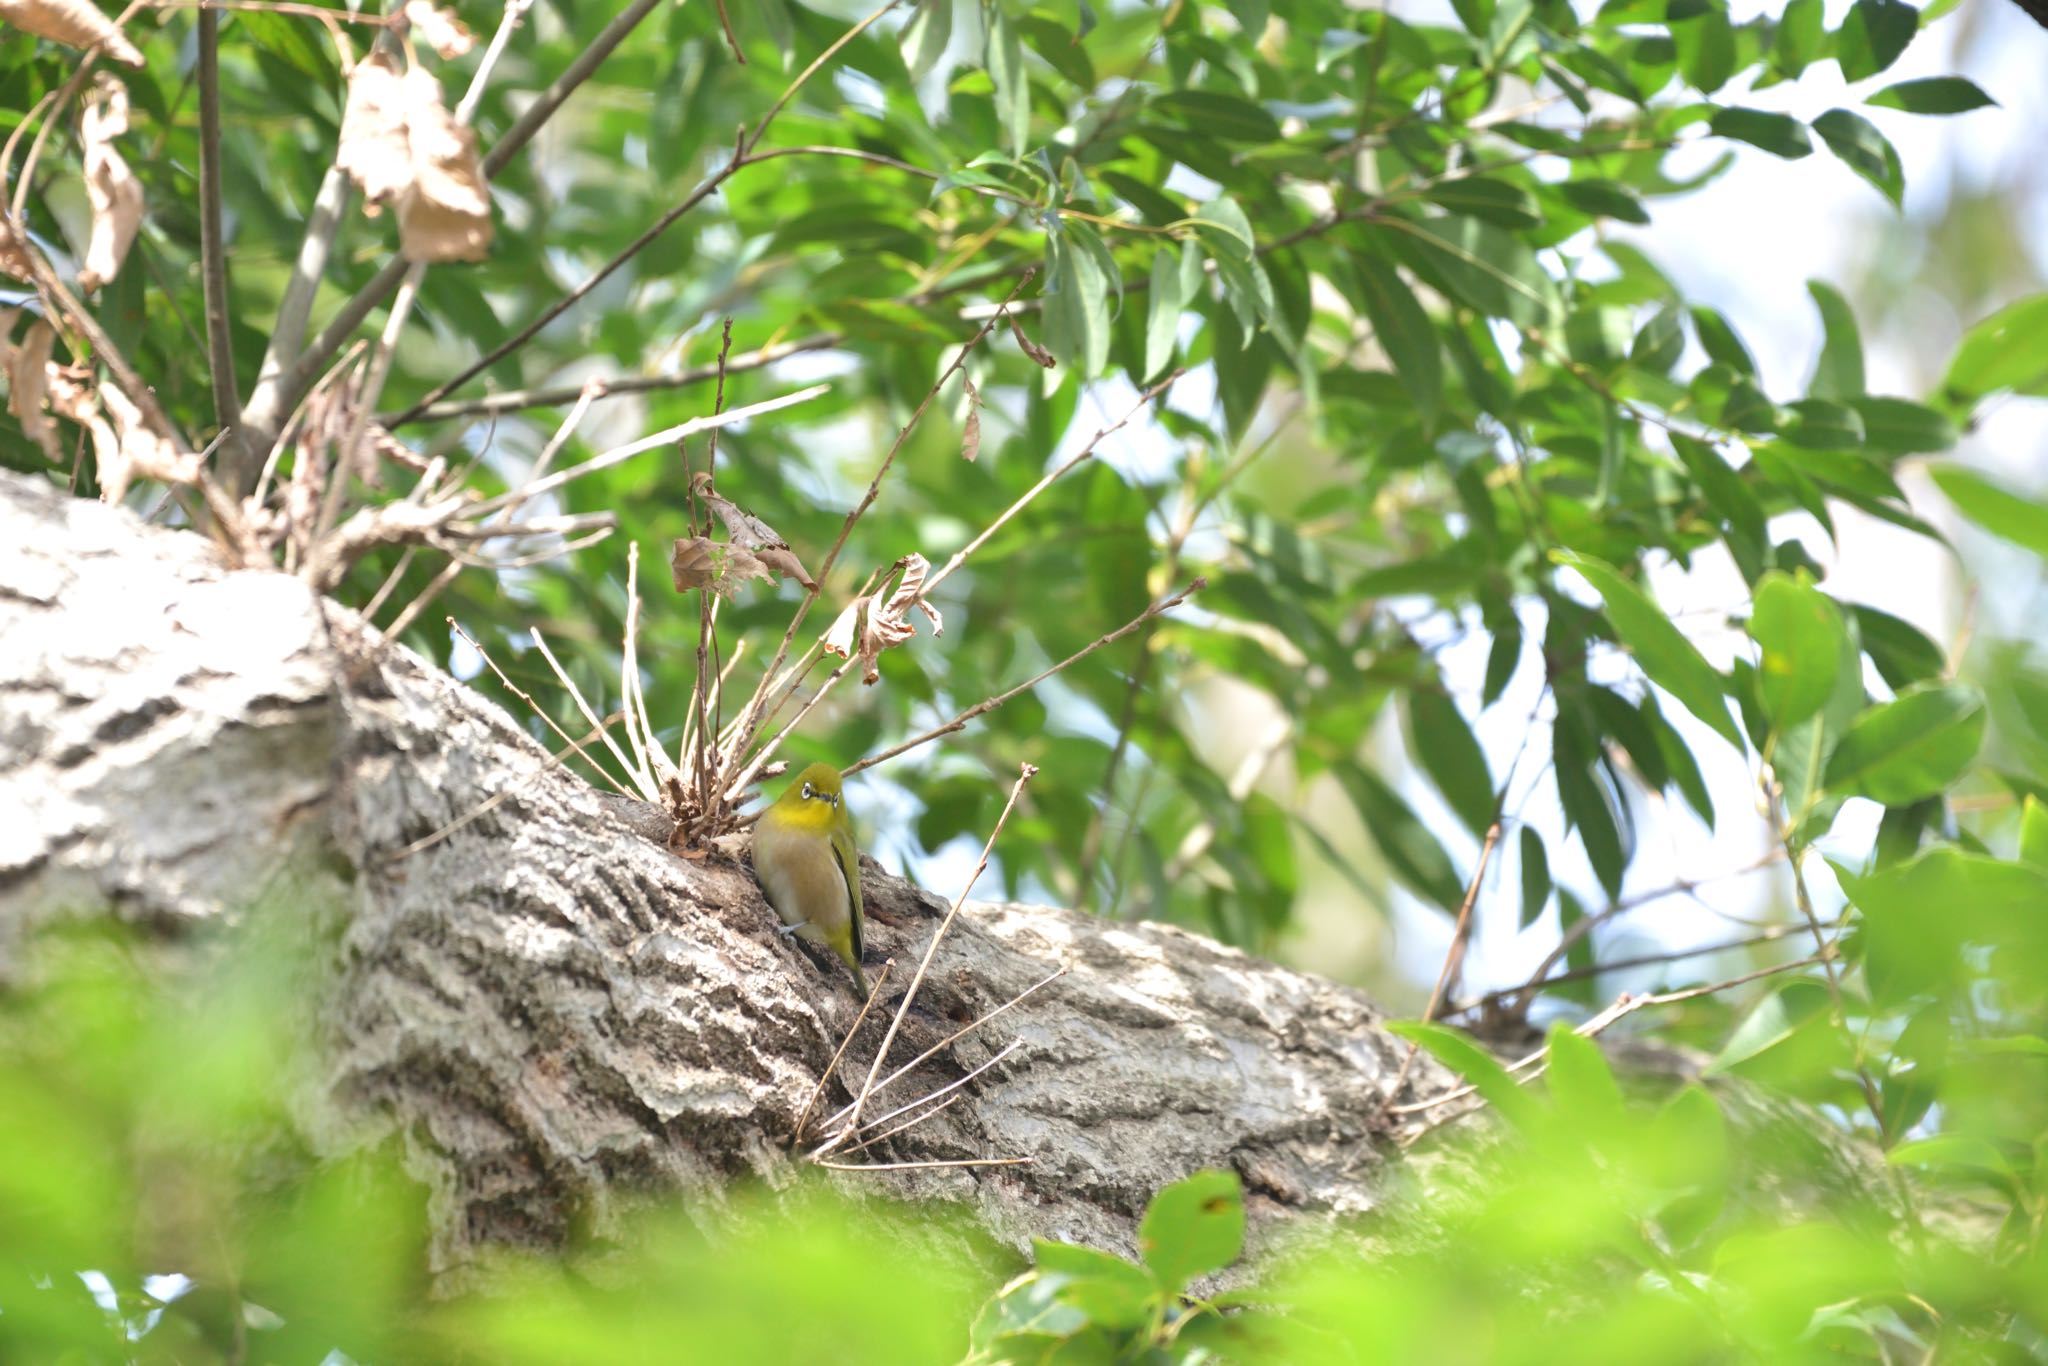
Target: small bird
(809,865)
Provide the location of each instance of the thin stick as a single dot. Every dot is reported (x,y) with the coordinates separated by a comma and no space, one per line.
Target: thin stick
(910,1123)
(646,788)
(1769,936)
(213,265)
(914,1166)
(527,697)
(853,1131)
(750,714)
(789,92)
(1624,1006)
(667,436)
(513,400)
(959,556)
(762,756)
(1024,775)
(959,1033)
(874,995)
(959,722)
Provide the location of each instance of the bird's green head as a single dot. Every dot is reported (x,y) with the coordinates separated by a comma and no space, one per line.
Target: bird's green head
(813,801)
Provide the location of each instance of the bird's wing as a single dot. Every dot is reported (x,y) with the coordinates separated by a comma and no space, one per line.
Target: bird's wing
(848,854)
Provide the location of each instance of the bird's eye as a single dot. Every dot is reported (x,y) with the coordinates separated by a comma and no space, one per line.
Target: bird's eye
(808,794)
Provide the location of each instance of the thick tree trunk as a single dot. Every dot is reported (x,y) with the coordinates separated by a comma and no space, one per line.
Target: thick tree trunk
(556,1016)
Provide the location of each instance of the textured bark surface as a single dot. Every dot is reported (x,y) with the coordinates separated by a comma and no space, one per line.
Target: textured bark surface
(555,1016)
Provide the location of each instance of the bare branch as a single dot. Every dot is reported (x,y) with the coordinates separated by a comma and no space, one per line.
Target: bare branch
(239,464)
(959,722)
(874,995)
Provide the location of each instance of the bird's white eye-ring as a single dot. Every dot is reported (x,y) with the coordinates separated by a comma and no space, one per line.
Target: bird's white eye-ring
(808,794)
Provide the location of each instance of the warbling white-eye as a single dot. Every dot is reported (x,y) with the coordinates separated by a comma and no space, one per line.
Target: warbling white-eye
(809,865)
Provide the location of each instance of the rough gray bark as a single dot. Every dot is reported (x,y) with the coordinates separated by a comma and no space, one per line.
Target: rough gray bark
(557,1017)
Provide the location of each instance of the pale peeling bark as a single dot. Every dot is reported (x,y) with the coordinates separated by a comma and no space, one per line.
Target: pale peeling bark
(555,1016)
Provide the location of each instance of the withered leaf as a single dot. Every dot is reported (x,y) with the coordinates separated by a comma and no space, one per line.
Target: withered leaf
(28,387)
(445,214)
(970,435)
(402,146)
(374,150)
(749,532)
(700,562)
(438,27)
(1030,347)
(110,187)
(76,22)
(866,627)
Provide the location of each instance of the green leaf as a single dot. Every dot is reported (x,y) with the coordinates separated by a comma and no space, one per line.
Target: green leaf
(1998,510)
(1660,343)
(1672,662)
(1604,199)
(1779,134)
(1496,201)
(1535,876)
(1005,59)
(1821,424)
(1799,630)
(1076,306)
(926,35)
(1898,426)
(1478,265)
(1216,115)
(1773,1021)
(1444,744)
(1112,1292)
(1839,372)
(1403,330)
(1801,35)
(1413,854)
(2008,350)
(1193,1227)
(1706,50)
(1902,653)
(1719,341)
(1163,309)
(1933,95)
(2034,831)
(1582,1086)
(1909,748)
(1457,1051)
(1866,151)
(1919,915)
(1872,36)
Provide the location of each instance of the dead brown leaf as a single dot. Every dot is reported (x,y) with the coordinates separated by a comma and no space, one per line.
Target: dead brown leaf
(970,435)
(439,28)
(744,529)
(402,146)
(138,451)
(111,188)
(1030,347)
(700,562)
(866,627)
(445,214)
(374,149)
(28,388)
(77,22)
